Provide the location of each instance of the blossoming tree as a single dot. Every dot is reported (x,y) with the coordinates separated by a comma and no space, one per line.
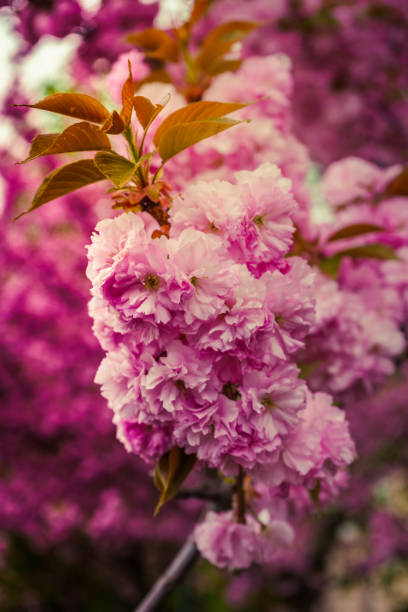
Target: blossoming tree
(233,324)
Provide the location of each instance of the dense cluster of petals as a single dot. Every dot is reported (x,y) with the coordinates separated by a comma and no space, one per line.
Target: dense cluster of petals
(352,342)
(360,317)
(219,339)
(201,331)
(253,215)
(228,543)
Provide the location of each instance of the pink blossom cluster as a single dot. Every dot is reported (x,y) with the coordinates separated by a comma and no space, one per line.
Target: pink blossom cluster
(227,543)
(353,343)
(359,329)
(201,331)
(206,332)
(312,453)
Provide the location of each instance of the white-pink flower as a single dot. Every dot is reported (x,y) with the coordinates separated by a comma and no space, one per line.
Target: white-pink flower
(225,542)
(253,215)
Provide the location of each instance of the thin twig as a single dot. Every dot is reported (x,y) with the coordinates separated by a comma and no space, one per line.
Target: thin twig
(172,575)
(239,497)
(220,497)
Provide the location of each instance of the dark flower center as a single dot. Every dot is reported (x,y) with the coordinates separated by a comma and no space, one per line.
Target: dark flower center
(230,391)
(152,282)
(268,401)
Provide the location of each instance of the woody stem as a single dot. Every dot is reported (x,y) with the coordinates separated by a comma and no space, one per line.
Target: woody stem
(239,497)
(184,560)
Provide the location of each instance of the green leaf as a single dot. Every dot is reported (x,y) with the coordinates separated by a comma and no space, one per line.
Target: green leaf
(81,136)
(128,91)
(356,229)
(223,65)
(40,143)
(146,111)
(330,266)
(398,186)
(375,250)
(155,44)
(220,41)
(196,111)
(64,180)
(170,472)
(75,105)
(113,124)
(200,7)
(184,135)
(116,168)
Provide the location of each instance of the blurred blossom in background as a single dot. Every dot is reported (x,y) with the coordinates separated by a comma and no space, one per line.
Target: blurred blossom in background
(76,526)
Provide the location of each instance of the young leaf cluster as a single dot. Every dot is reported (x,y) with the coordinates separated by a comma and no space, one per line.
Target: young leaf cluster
(211,59)
(131,176)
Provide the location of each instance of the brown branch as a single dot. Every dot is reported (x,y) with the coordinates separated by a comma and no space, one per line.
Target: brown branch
(239,497)
(180,565)
(220,496)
